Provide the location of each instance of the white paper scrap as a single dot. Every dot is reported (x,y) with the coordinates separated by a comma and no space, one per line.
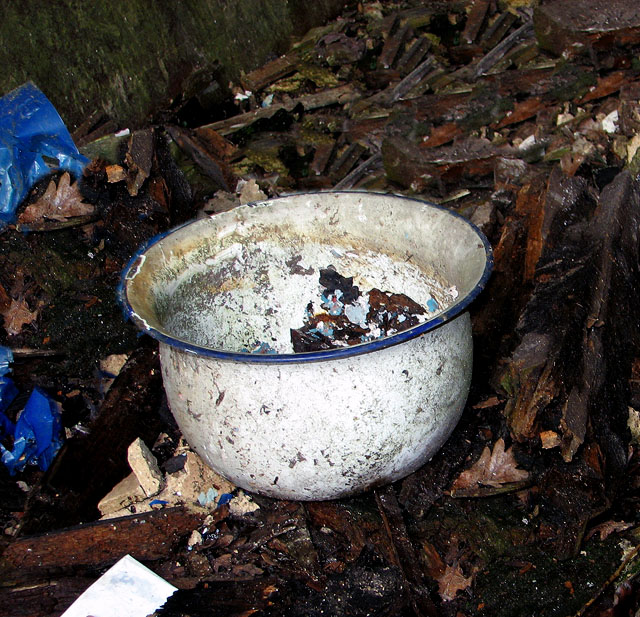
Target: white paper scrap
(127,589)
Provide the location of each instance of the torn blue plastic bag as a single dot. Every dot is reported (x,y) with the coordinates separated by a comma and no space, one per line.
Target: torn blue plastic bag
(34,142)
(8,392)
(37,434)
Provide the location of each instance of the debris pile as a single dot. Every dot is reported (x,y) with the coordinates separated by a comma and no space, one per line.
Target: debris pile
(347,316)
(186,481)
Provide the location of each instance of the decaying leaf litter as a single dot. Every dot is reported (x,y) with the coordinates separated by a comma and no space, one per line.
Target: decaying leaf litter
(523,118)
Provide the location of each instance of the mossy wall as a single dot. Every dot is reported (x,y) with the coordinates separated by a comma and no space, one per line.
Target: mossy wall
(128,58)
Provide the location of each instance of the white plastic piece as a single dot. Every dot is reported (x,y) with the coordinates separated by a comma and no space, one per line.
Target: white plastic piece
(128,589)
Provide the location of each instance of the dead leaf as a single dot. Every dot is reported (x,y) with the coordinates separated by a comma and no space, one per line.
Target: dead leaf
(492,469)
(58,203)
(607,528)
(17,316)
(452,581)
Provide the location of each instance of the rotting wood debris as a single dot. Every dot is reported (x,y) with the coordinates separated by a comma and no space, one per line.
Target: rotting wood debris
(524,118)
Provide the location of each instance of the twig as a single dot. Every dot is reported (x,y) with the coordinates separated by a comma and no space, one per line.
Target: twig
(629,558)
(26,352)
(356,174)
(411,80)
(498,52)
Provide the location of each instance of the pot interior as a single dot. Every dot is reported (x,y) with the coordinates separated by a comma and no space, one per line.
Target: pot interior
(239,281)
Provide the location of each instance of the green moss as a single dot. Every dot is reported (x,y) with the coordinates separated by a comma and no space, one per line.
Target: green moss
(288,84)
(320,76)
(486,107)
(322,123)
(108,148)
(200,183)
(547,587)
(507,384)
(129,58)
(634,164)
(313,137)
(513,576)
(269,161)
(492,528)
(557,154)
(570,82)
(487,113)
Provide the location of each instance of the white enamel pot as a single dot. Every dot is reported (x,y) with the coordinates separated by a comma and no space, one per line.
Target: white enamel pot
(317,425)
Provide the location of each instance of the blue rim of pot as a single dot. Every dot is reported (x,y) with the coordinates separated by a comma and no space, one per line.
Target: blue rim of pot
(312,356)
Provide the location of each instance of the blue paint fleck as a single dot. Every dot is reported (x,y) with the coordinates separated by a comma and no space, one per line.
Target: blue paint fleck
(332,303)
(432,305)
(260,348)
(224,499)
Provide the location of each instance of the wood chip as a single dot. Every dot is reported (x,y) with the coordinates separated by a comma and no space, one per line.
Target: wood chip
(550,439)
(340,95)
(269,73)
(475,19)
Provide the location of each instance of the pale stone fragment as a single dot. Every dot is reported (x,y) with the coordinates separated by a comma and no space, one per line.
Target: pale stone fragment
(145,467)
(122,495)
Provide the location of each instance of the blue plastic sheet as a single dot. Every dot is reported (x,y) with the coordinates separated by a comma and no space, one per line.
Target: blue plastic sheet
(34,142)
(8,392)
(37,435)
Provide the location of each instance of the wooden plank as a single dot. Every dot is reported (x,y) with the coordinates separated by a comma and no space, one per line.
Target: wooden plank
(269,73)
(530,204)
(606,86)
(502,48)
(586,25)
(411,166)
(46,599)
(442,134)
(562,355)
(412,80)
(523,110)
(496,31)
(414,55)
(95,546)
(203,159)
(345,163)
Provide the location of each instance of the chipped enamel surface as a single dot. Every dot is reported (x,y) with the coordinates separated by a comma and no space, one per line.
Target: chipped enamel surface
(315,425)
